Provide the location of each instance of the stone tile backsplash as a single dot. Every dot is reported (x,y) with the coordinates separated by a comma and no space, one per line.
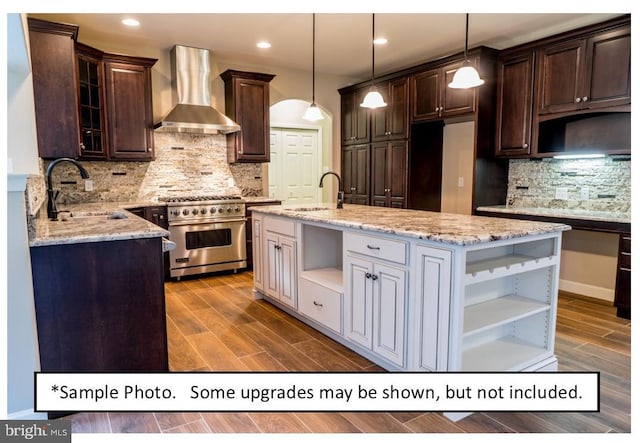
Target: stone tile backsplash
(533,184)
(185,164)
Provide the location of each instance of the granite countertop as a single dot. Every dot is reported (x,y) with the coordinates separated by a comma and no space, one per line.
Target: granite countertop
(579,214)
(455,229)
(93,223)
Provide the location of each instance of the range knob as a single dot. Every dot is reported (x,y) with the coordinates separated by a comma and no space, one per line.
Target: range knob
(212,210)
(185,212)
(194,211)
(203,211)
(237,209)
(228,209)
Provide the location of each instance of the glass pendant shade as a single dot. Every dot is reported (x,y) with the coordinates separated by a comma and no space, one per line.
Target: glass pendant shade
(373,99)
(313,113)
(466,77)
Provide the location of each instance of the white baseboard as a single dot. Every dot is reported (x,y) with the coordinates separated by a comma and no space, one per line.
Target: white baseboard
(27,414)
(587,290)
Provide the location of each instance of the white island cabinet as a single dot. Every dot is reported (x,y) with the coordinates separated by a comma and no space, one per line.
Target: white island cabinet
(415,290)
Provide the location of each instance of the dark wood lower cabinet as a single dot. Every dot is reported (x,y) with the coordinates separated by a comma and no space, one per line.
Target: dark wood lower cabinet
(622,299)
(100,306)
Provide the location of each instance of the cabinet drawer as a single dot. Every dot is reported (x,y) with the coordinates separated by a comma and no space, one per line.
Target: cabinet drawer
(625,244)
(321,304)
(280,225)
(386,249)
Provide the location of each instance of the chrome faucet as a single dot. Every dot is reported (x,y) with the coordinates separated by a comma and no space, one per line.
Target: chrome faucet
(340,192)
(52,210)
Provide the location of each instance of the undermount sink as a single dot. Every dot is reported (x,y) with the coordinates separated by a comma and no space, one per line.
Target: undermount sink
(108,215)
(307,209)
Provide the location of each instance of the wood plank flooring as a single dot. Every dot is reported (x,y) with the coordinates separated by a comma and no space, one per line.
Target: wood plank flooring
(214,324)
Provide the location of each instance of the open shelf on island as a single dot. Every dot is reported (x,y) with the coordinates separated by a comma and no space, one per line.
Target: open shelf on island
(328,277)
(499,311)
(505,354)
(503,260)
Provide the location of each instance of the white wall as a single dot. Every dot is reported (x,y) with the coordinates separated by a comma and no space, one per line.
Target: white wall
(22,345)
(457,161)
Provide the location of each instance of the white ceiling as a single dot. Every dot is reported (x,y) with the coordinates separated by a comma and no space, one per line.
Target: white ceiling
(342,39)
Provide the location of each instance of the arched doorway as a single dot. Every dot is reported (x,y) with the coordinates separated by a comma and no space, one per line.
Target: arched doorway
(300,152)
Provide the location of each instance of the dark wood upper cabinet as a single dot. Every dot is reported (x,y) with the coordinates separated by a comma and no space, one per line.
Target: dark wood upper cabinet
(354,118)
(129,107)
(432,99)
(515,104)
(247,103)
(54,88)
(389,173)
(89,104)
(392,121)
(588,72)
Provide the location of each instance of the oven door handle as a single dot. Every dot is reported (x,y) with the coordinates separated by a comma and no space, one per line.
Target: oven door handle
(207,222)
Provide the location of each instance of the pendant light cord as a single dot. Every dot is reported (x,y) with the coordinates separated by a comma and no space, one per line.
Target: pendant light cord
(373,46)
(313,72)
(466,39)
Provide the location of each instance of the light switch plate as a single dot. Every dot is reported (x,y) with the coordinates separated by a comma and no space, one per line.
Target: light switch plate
(461,182)
(562,193)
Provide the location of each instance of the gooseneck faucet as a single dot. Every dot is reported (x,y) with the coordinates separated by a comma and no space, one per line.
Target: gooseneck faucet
(340,192)
(52,210)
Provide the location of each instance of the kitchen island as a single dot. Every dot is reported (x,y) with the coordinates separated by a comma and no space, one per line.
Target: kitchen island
(415,290)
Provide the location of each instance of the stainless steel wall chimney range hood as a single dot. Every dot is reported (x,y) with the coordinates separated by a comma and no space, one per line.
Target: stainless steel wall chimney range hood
(193,112)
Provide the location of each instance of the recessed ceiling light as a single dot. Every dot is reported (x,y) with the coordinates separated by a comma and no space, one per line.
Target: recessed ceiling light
(263,45)
(130,22)
(380,41)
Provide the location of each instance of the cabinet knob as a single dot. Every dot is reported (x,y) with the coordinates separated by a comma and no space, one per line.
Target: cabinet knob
(367,275)
(353,189)
(578,99)
(374,277)
(585,98)
(526,145)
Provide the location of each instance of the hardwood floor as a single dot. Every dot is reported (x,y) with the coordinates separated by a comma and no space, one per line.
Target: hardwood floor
(214,324)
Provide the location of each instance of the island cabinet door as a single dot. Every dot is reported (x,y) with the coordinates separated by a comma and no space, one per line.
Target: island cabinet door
(431,313)
(287,251)
(389,300)
(272,265)
(359,302)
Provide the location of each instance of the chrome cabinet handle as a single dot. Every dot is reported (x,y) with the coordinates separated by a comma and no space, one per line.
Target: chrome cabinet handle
(585,98)
(578,99)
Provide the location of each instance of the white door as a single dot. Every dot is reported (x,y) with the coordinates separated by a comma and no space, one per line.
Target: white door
(294,169)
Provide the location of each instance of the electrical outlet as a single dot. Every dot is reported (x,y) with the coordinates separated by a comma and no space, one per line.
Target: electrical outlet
(230,182)
(461,182)
(88,184)
(562,193)
(584,193)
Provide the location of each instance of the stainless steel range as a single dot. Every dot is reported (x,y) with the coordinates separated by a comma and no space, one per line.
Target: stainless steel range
(209,233)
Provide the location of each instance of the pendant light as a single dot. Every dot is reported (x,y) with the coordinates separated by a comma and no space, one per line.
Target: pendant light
(313,112)
(373,99)
(466,77)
